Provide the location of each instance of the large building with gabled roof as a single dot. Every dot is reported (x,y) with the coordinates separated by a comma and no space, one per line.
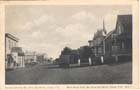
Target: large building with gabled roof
(118,42)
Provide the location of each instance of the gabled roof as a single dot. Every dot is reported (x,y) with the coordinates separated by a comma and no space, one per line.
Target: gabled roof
(11,37)
(99,33)
(18,50)
(109,34)
(126,21)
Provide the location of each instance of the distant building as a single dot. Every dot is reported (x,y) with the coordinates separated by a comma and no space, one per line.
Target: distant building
(97,43)
(118,43)
(30,57)
(18,56)
(42,57)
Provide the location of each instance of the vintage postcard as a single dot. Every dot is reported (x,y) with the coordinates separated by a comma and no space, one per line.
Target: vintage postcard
(69,45)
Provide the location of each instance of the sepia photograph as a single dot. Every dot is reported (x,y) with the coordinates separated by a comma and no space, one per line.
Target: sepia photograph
(68,44)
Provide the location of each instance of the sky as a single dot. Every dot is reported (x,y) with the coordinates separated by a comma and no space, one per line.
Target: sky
(48,29)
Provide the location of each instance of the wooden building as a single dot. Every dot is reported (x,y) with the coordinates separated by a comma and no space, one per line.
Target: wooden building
(97,43)
(118,43)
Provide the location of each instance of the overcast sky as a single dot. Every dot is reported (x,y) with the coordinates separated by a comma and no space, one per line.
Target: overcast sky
(48,29)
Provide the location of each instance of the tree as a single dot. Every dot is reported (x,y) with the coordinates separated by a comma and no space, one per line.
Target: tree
(66,51)
(84,53)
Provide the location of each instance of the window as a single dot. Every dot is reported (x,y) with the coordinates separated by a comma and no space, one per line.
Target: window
(119,30)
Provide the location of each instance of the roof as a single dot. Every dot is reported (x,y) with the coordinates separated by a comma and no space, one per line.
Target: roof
(18,50)
(90,41)
(99,33)
(11,37)
(126,21)
(109,34)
